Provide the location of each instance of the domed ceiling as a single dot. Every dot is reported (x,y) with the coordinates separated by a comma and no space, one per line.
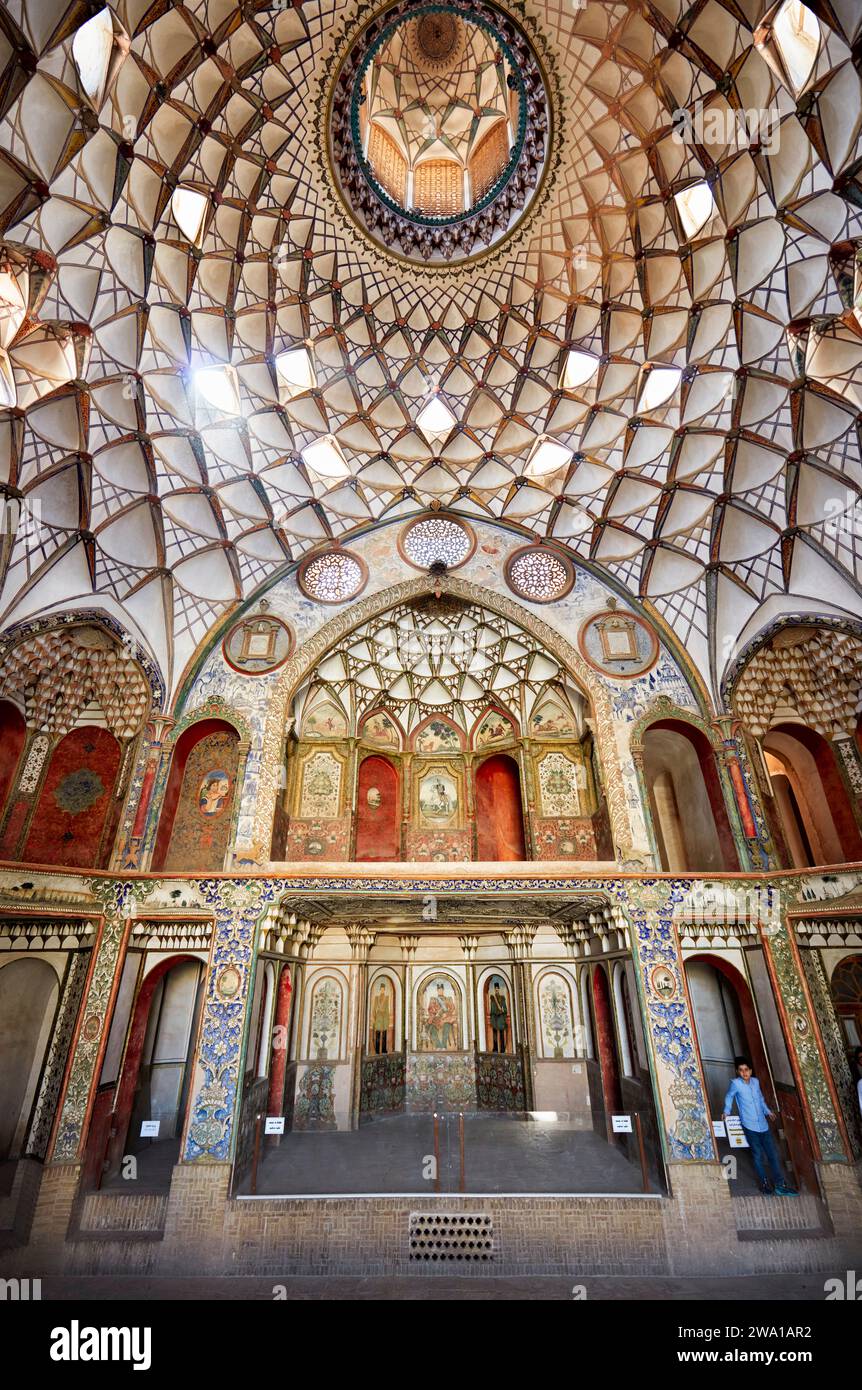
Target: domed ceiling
(187,310)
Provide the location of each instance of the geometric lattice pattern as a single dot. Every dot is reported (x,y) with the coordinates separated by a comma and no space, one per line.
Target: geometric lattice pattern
(697,254)
(813,675)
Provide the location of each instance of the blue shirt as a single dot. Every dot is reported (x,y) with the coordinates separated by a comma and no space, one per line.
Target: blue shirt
(750,1103)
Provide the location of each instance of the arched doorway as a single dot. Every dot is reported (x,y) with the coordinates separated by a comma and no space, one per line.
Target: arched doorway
(28,999)
(499,814)
(194,830)
(726,1026)
(606,1050)
(378,810)
(815,811)
(155,1080)
(689,816)
(77,812)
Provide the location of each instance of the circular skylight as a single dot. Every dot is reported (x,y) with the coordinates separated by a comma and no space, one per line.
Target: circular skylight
(436,540)
(333,577)
(539,575)
(438,128)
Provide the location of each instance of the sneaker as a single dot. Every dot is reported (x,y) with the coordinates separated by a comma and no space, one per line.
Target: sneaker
(767,1191)
(783,1191)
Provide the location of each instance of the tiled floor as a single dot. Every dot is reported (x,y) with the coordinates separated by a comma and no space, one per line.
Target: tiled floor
(501,1154)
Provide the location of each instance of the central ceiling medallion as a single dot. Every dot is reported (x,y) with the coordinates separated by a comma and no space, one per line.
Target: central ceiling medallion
(439,128)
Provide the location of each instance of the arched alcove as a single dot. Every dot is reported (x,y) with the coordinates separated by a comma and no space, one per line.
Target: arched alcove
(378,810)
(499,814)
(156,1073)
(689,816)
(195,823)
(77,810)
(28,999)
(816,815)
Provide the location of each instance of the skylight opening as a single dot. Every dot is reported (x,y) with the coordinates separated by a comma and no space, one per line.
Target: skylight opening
(578,368)
(790,43)
(435,419)
(190,209)
(547,457)
(324,457)
(218,388)
(91,53)
(295,371)
(657,386)
(695,206)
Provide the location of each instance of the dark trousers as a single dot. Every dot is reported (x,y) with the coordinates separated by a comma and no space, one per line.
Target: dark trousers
(764,1152)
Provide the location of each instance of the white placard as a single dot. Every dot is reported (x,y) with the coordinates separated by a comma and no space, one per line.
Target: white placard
(622,1124)
(274,1124)
(735,1134)
(150,1129)
(718,1129)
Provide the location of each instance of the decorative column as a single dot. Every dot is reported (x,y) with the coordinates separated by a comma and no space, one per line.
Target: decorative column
(850,767)
(130,842)
(65,1148)
(469,945)
(361,941)
(21,802)
(760,851)
(519,943)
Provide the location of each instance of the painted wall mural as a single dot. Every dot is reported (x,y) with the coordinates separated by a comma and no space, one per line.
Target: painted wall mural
(258,645)
(438,736)
(320,797)
(551,719)
(438,1015)
(381,729)
(381,1017)
(324,1036)
(73,813)
(200,835)
(439,796)
(498,1015)
(493,728)
(555,1012)
(314,1107)
(559,782)
(325,721)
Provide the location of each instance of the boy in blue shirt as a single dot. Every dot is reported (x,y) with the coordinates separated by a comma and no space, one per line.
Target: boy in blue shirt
(754,1116)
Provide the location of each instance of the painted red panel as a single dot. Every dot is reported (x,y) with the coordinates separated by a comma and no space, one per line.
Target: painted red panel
(378,811)
(499,822)
(13,732)
(76,798)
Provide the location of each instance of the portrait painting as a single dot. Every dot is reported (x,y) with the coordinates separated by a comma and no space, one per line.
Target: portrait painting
(438,1016)
(381,1039)
(214,792)
(498,1015)
(438,797)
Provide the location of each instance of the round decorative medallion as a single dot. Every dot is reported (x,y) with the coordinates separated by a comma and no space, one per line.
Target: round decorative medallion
(228,982)
(539,575)
(333,577)
(619,644)
(436,540)
(257,645)
(663,982)
(439,128)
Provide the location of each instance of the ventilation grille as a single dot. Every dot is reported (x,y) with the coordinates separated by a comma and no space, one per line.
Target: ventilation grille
(444,1238)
